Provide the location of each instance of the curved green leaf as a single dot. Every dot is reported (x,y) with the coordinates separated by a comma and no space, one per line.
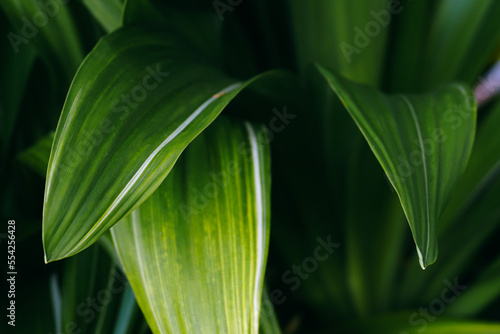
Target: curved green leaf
(195,251)
(139,98)
(471,217)
(423,142)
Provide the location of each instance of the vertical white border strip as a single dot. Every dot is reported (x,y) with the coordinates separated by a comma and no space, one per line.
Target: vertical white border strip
(136,221)
(260,223)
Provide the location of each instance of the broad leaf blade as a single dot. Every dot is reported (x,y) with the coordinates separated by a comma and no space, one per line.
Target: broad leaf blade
(136,102)
(195,251)
(423,142)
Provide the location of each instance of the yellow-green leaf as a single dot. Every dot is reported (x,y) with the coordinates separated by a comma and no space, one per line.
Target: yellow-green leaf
(195,251)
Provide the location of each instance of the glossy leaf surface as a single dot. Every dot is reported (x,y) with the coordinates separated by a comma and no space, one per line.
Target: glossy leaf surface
(139,98)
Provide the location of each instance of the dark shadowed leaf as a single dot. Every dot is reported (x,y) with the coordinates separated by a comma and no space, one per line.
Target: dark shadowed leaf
(423,142)
(49,28)
(107,12)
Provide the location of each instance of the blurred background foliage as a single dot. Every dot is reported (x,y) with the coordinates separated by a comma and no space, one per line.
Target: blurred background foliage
(326,181)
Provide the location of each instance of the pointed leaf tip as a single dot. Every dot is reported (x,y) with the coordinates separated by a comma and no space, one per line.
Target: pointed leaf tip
(139,98)
(423,142)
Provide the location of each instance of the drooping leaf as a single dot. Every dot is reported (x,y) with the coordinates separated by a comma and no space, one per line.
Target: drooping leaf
(137,101)
(423,142)
(470,218)
(195,251)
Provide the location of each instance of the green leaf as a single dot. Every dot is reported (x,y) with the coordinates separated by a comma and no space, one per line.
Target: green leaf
(195,251)
(90,294)
(482,170)
(337,34)
(139,98)
(49,28)
(471,217)
(268,321)
(462,40)
(128,313)
(37,156)
(410,30)
(371,275)
(481,293)
(423,143)
(108,12)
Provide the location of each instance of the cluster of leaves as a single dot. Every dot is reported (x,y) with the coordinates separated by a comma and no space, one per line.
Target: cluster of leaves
(163,124)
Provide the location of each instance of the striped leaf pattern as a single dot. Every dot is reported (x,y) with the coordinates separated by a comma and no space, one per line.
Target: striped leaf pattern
(138,99)
(423,142)
(195,251)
